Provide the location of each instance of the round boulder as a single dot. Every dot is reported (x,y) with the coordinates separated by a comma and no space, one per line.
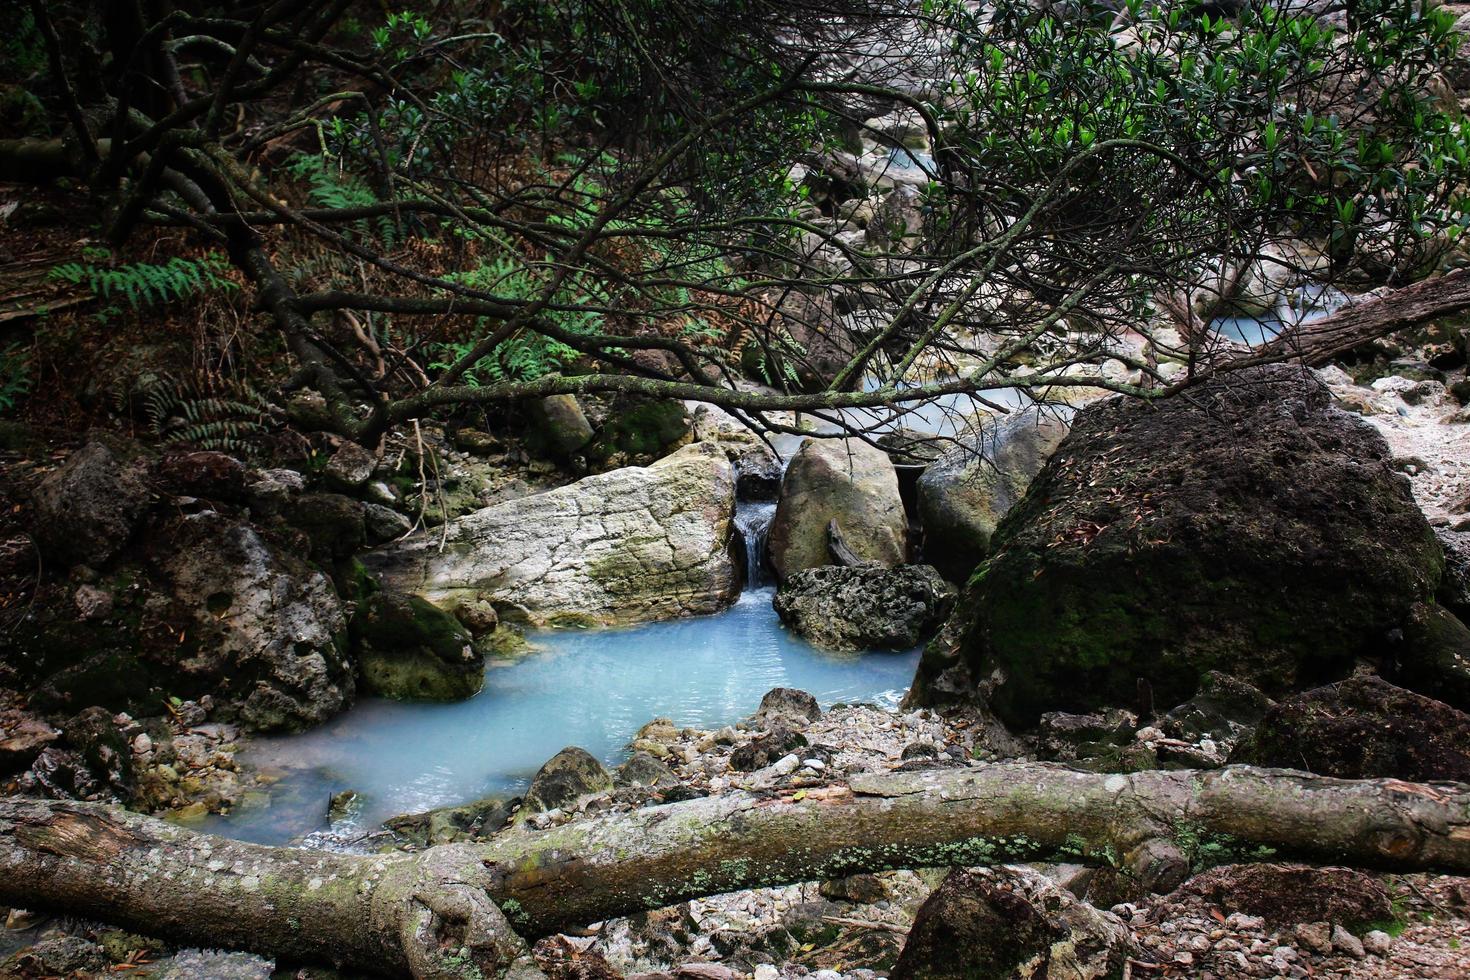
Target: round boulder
(1363,728)
(842,492)
(1246,526)
(410,649)
(965,492)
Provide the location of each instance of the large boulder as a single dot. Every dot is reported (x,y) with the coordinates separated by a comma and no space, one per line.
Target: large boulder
(965,492)
(411,650)
(847,482)
(631,545)
(865,608)
(262,618)
(1363,728)
(567,777)
(1248,527)
(1011,922)
(89,507)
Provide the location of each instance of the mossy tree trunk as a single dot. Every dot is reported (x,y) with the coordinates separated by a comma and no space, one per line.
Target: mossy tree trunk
(443,912)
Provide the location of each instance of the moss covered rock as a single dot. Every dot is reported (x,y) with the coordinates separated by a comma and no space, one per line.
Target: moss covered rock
(1363,728)
(410,649)
(1248,527)
(639,429)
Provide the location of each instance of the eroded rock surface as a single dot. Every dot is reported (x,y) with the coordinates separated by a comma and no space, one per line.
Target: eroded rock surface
(865,608)
(632,545)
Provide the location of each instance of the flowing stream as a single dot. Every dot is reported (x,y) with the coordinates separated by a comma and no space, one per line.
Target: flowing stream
(592,688)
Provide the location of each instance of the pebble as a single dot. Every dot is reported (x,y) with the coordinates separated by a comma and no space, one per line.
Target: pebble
(767,972)
(786,765)
(816,764)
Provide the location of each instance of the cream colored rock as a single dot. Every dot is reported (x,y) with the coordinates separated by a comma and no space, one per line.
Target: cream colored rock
(630,545)
(841,480)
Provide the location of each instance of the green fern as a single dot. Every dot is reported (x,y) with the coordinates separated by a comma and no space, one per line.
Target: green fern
(235,421)
(331,187)
(149,284)
(527,356)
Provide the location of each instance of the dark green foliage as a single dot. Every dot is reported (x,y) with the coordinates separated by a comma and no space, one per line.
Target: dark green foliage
(145,284)
(235,420)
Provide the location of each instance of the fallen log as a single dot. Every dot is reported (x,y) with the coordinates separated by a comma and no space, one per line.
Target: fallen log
(443,912)
(1318,342)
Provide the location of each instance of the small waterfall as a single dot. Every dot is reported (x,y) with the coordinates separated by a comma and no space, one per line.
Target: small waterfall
(753,521)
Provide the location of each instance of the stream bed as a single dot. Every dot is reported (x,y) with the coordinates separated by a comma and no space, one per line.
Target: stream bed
(592,688)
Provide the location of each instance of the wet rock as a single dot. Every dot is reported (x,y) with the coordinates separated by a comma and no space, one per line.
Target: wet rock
(559,426)
(1454,587)
(865,608)
(62,956)
(1010,921)
(408,648)
(847,482)
(269,491)
(22,737)
(343,805)
(383,524)
(92,603)
(566,777)
(1363,728)
(864,889)
(637,429)
(104,749)
(349,468)
(478,442)
(263,619)
(1062,734)
(445,825)
(1148,548)
(788,706)
(88,509)
(1287,894)
(632,545)
(964,494)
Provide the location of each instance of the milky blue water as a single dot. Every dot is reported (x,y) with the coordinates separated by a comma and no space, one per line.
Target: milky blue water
(593,688)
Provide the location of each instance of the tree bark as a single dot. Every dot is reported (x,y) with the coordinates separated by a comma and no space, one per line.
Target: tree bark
(1320,341)
(439,912)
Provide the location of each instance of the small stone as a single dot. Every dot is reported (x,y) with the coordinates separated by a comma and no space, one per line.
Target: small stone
(1377,943)
(93,603)
(816,764)
(1347,943)
(1316,936)
(19,919)
(350,467)
(1184,958)
(767,972)
(786,765)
